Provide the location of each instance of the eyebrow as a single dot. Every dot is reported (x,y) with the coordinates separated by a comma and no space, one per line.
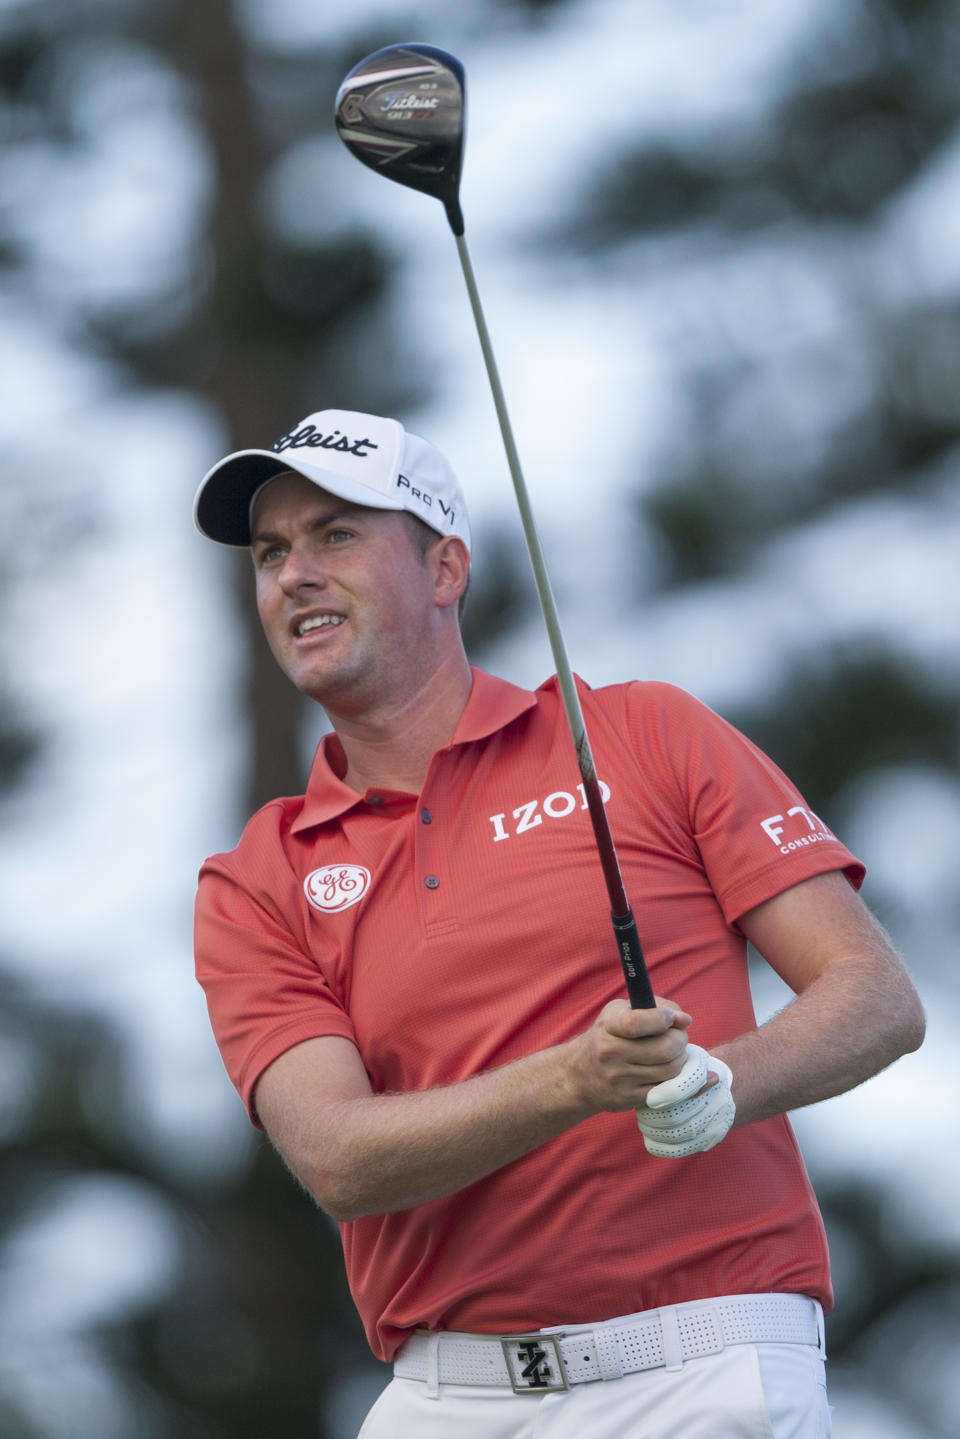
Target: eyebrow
(319,522)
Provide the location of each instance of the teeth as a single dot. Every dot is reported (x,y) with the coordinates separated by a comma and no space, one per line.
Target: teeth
(317,621)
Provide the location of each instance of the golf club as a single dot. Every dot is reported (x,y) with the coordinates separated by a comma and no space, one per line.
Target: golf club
(401,111)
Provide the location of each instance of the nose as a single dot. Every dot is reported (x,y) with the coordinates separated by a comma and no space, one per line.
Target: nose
(301,571)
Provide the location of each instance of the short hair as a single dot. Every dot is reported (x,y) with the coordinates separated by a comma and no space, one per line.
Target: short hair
(423,537)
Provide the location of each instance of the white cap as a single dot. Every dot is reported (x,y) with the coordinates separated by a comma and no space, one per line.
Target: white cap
(365,459)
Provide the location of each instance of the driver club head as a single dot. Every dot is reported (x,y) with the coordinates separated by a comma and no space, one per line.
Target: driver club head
(401,111)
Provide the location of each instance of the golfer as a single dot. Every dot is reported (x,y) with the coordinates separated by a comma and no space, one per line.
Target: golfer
(561,1217)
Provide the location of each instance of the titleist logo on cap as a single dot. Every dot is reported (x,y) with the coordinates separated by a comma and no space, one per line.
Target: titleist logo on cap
(310,438)
(399,471)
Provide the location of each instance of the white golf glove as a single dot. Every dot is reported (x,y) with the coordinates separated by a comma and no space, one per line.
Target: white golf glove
(676,1120)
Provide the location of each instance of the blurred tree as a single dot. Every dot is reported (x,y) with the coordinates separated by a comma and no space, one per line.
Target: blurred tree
(262,324)
(500,594)
(264,313)
(784,419)
(253,1320)
(272,320)
(18,744)
(260,316)
(848,713)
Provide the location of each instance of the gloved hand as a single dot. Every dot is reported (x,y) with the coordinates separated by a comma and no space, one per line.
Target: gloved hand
(676,1120)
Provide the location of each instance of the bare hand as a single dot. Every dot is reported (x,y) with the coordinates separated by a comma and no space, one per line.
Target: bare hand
(625,1052)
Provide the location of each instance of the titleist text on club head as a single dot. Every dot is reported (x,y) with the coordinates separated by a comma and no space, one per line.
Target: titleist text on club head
(401,111)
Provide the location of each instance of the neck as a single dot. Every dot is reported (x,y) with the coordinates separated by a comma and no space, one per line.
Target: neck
(391,747)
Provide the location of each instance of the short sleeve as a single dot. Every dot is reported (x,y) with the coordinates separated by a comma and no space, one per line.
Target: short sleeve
(755,833)
(264,992)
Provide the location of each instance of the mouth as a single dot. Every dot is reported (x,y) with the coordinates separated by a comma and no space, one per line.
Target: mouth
(312,624)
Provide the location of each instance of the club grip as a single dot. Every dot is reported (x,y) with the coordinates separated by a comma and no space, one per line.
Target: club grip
(639,991)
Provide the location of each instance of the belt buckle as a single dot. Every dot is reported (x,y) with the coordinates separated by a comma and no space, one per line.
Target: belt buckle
(533,1362)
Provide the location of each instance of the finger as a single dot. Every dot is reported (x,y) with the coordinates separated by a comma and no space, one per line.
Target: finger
(679,1018)
(691,1080)
(687,1105)
(670,1004)
(627,1023)
(693,1133)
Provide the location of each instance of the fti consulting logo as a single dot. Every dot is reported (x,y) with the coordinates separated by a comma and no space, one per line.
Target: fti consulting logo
(336,886)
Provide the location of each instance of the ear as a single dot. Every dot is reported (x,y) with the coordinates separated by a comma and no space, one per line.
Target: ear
(451,560)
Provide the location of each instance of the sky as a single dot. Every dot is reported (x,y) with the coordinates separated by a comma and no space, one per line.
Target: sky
(100,853)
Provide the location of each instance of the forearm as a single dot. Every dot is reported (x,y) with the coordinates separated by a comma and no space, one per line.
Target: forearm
(360,1153)
(847,1025)
(385,1152)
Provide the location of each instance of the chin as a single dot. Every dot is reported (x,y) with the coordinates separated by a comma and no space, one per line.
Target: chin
(329,688)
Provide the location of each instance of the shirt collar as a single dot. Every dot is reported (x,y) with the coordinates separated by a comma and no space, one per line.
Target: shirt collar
(491,705)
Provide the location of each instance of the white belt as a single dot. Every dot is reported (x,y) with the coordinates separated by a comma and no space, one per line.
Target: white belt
(658,1338)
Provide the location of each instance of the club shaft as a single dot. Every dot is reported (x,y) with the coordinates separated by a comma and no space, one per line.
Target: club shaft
(628,942)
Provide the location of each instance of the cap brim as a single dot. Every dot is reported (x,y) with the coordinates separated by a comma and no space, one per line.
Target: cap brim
(221,510)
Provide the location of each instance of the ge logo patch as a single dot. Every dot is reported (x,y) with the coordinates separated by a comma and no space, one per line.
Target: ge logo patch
(336,886)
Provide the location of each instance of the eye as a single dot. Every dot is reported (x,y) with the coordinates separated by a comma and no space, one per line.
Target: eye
(338,536)
(269,554)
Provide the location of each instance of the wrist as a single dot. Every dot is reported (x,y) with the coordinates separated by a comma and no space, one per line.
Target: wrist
(569,1077)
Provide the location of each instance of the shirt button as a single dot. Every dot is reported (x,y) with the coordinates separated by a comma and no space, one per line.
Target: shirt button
(432,882)
(376,799)
(426,816)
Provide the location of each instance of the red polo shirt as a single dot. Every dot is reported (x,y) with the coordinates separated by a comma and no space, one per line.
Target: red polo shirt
(452,931)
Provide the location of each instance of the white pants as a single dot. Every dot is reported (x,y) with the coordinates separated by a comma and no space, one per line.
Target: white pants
(750,1391)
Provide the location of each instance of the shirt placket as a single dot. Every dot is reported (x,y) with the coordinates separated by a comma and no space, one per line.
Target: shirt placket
(432,870)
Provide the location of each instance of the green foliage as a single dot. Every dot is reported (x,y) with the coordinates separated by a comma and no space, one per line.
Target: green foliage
(255,1317)
(849,712)
(501,593)
(777,433)
(255,1322)
(711,517)
(861,112)
(19,747)
(897,1323)
(20,54)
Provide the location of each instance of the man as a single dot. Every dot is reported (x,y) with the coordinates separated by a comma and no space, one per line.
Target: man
(412,981)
